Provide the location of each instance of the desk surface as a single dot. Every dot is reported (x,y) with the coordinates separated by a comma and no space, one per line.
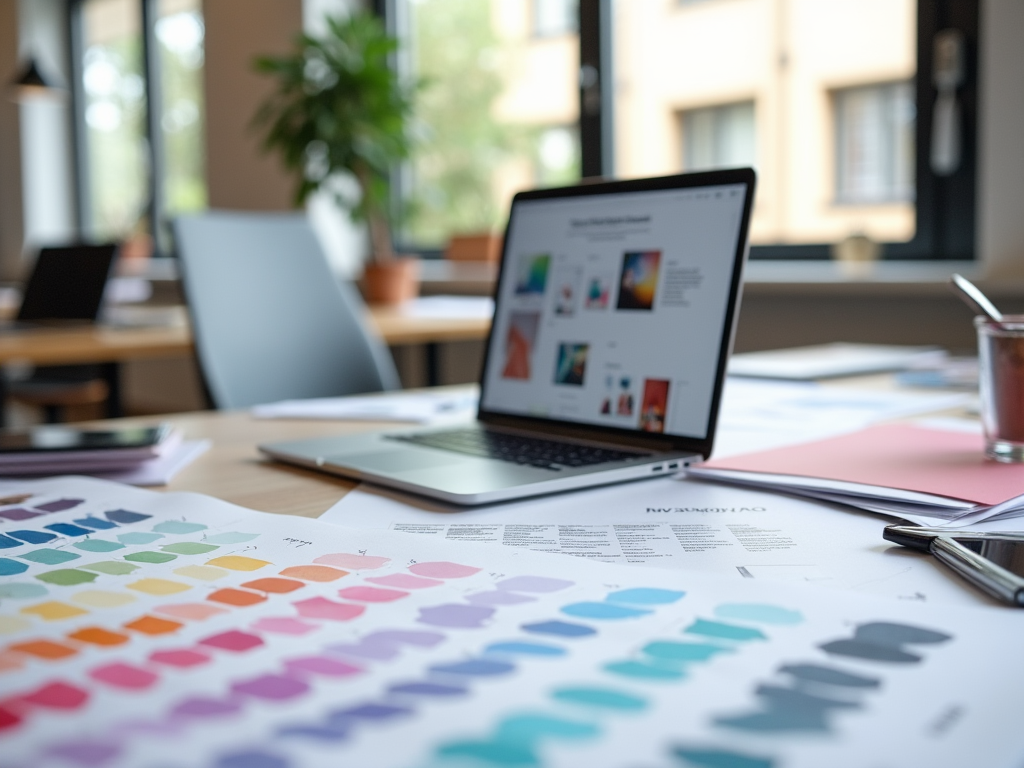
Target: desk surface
(101,344)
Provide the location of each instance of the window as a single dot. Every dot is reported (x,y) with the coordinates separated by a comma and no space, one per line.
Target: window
(138,93)
(719,137)
(555,17)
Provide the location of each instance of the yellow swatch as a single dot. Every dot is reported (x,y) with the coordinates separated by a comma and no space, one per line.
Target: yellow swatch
(238,563)
(203,572)
(52,611)
(158,586)
(97,598)
(11,624)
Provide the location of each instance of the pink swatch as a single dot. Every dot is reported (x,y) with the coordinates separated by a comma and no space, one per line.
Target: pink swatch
(372,594)
(320,665)
(353,562)
(404,581)
(443,570)
(124,676)
(57,696)
(190,611)
(283,626)
(233,640)
(183,659)
(322,608)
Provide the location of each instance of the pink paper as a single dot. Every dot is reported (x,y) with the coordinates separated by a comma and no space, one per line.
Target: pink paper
(902,456)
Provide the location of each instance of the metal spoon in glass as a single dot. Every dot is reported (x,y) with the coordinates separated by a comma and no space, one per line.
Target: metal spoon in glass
(975,299)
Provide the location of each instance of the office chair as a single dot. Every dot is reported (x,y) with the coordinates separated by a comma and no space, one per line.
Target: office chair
(270,320)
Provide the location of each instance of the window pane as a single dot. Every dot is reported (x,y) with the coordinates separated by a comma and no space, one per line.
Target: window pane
(179,36)
(498,112)
(115,113)
(817,95)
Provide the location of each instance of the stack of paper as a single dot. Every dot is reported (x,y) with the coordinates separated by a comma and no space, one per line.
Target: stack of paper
(418,407)
(905,470)
(828,360)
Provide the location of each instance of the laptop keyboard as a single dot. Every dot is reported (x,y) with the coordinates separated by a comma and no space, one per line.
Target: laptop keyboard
(517,449)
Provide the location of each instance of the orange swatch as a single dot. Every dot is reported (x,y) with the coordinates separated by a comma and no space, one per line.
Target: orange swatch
(238,597)
(274,585)
(99,636)
(314,572)
(44,649)
(151,625)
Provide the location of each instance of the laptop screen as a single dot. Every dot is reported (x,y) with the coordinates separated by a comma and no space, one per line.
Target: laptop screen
(611,308)
(67,283)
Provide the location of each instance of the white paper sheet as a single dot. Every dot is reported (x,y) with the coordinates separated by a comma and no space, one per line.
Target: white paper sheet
(825,360)
(323,646)
(673,523)
(421,407)
(469,307)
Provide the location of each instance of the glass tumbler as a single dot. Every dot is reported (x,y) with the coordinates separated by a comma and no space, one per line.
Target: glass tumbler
(1001,380)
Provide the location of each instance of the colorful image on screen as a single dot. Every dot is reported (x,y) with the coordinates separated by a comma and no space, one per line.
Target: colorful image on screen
(522,333)
(572,364)
(654,405)
(599,290)
(639,280)
(532,278)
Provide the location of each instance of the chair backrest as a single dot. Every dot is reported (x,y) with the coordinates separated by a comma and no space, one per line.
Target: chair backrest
(270,320)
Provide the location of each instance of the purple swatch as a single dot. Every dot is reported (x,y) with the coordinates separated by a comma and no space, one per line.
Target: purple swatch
(431,690)
(498,597)
(251,759)
(533,584)
(85,752)
(368,712)
(59,506)
(320,665)
(386,644)
(318,732)
(203,707)
(18,514)
(272,687)
(455,615)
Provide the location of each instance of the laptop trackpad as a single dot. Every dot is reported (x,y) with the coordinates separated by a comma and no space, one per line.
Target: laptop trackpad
(393,461)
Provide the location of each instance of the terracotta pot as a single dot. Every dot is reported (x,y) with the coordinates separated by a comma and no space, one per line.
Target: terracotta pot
(482,246)
(392,283)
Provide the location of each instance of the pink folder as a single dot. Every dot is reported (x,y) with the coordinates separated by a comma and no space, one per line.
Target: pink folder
(903,456)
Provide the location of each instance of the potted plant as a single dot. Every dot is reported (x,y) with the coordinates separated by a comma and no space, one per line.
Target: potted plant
(340,107)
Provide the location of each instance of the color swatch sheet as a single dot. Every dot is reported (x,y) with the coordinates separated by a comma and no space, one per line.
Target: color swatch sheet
(144,629)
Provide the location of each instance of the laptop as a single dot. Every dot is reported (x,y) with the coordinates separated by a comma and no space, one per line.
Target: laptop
(66,285)
(614,315)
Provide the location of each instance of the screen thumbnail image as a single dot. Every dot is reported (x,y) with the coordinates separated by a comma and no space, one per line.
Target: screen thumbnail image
(598,291)
(572,364)
(639,280)
(532,277)
(522,334)
(654,405)
(567,288)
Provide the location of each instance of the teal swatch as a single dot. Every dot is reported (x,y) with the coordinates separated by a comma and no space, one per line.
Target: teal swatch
(600,698)
(138,538)
(21,591)
(525,649)
(642,671)
(231,537)
(491,753)
(670,651)
(724,631)
(50,556)
(177,526)
(10,567)
(766,614)
(602,611)
(150,557)
(713,758)
(645,596)
(66,577)
(188,548)
(530,728)
(97,545)
(111,568)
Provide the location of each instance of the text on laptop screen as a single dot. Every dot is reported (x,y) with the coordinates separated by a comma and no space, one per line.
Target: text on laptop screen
(611,308)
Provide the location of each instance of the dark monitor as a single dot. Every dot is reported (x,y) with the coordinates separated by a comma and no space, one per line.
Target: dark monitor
(67,283)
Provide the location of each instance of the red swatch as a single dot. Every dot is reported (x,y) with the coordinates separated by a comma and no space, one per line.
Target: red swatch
(124,676)
(151,625)
(8,719)
(372,594)
(99,636)
(181,659)
(44,649)
(322,608)
(274,585)
(232,596)
(233,640)
(57,696)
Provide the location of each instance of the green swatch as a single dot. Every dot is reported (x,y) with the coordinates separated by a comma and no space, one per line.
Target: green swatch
(97,545)
(188,548)
(150,557)
(111,568)
(66,577)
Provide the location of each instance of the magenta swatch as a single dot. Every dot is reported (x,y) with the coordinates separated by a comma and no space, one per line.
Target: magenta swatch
(272,687)
(184,658)
(322,608)
(284,626)
(372,594)
(320,665)
(124,676)
(233,640)
(455,615)
(203,707)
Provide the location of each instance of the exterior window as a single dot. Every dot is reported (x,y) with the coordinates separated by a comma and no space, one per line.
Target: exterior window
(719,137)
(555,17)
(875,144)
(558,156)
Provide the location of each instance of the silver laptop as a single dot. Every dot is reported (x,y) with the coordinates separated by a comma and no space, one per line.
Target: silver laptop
(614,315)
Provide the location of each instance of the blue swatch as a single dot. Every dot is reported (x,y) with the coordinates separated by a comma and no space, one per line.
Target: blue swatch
(97,545)
(251,759)
(608,611)
(428,689)
(713,758)
(138,538)
(231,537)
(600,698)
(125,517)
(67,529)
(10,567)
(759,612)
(6,542)
(724,631)
(32,537)
(475,668)
(559,628)
(525,649)
(368,712)
(645,596)
(642,671)
(95,522)
(177,526)
(50,556)
(318,732)
(19,591)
